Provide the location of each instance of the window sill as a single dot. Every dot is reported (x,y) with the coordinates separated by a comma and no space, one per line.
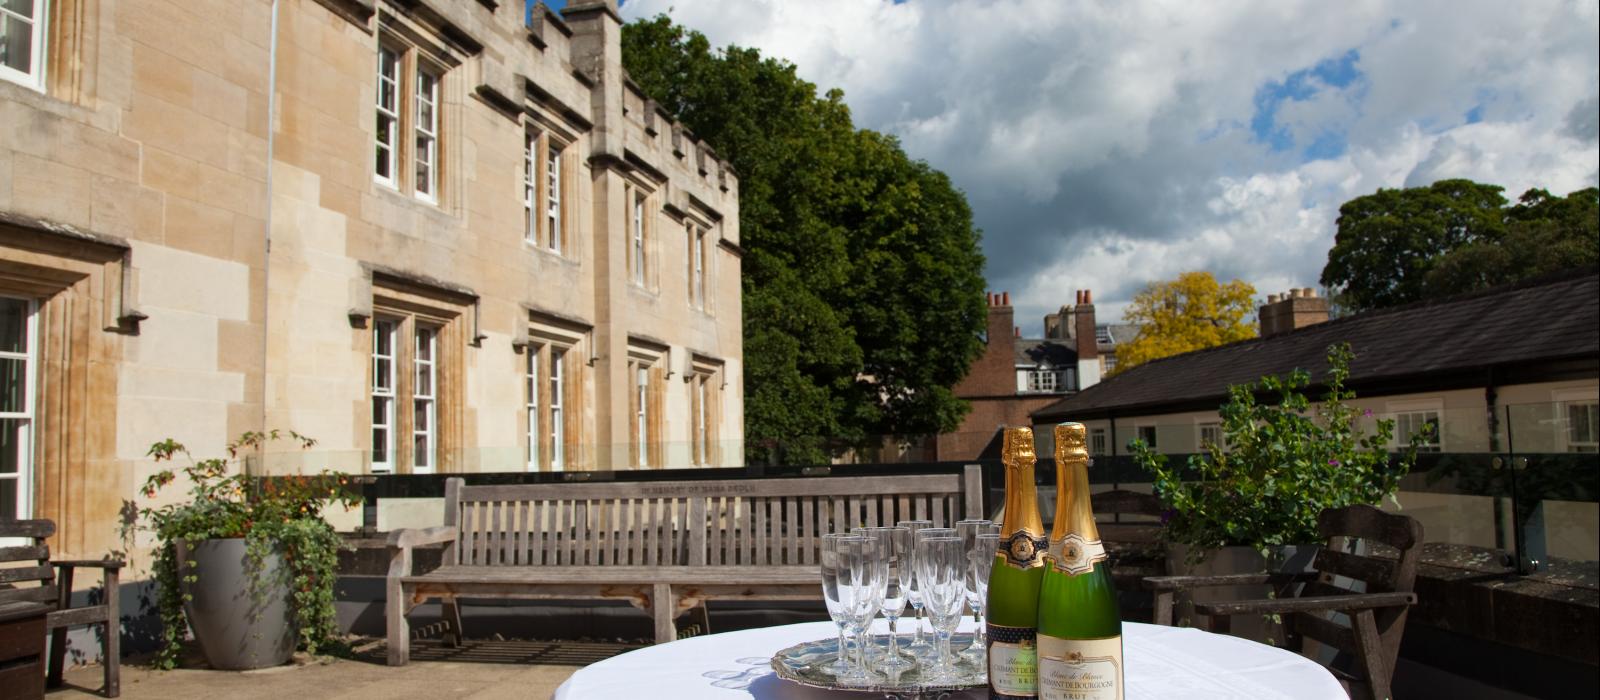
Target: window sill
(556,256)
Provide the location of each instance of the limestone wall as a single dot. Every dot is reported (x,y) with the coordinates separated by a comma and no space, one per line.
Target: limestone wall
(188,206)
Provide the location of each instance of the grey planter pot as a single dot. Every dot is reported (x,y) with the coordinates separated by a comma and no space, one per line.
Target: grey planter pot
(1237,560)
(239,623)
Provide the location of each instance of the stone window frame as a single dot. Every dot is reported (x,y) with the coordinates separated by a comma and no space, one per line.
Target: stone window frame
(39,52)
(707,380)
(641,200)
(548,209)
(646,405)
(451,316)
(553,341)
(83,286)
(699,259)
(419,49)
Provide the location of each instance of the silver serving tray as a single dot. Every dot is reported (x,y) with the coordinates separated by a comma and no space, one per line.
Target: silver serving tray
(806,664)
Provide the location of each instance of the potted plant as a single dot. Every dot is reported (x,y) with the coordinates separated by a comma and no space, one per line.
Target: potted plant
(247,563)
(1251,503)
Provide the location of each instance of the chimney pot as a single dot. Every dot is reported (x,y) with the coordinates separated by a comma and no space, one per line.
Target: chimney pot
(1307,293)
(1005,298)
(1272,299)
(1016,331)
(1088,296)
(1077,297)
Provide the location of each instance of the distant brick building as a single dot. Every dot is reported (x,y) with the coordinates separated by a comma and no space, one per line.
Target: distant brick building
(1016,376)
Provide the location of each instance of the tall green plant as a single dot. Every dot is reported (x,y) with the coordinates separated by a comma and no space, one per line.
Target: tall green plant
(280,515)
(1279,465)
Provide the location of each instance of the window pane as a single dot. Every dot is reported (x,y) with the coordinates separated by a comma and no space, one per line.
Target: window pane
(13,385)
(8,499)
(13,325)
(380,446)
(16,43)
(11,444)
(383,375)
(380,411)
(21,7)
(420,452)
(420,415)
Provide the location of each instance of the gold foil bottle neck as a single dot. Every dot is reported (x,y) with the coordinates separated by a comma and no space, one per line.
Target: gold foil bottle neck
(1071,441)
(1017,451)
(1074,511)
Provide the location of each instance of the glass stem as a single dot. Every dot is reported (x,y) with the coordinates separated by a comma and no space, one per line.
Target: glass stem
(916,626)
(842,657)
(944,649)
(894,641)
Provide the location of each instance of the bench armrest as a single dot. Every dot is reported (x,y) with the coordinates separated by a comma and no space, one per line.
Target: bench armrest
(88,563)
(1182,583)
(1321,603)
(402,541)
(416,537)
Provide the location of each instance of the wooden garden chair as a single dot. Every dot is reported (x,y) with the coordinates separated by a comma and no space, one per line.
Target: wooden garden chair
(1363,626)
(30,566)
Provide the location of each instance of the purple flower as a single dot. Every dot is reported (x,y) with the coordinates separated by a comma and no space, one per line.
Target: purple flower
(1167,516)
(1333,462)
(1367,413)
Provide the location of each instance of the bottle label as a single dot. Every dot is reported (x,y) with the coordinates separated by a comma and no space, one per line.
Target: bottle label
(1023,550)
(1080,669)
(1073,555)
(1013,662)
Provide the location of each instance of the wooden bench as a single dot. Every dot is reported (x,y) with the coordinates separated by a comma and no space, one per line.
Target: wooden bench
(663,546)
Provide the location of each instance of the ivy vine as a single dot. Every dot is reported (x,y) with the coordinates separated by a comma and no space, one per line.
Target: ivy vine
(274,515)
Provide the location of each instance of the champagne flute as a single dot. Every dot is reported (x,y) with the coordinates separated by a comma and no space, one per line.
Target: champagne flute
(939,562)
(918,646)
(859,565)
(969,530)
(835,583)
(895,543)
(928,650)
(982,558)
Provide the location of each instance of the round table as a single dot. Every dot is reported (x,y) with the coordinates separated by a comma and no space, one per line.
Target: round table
(1162,662)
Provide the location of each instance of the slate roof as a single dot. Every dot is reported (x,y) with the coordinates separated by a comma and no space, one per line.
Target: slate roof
(1120,333)
(1060,353)
(1524,324)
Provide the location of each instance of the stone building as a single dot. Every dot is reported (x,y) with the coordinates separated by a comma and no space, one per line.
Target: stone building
(433,236)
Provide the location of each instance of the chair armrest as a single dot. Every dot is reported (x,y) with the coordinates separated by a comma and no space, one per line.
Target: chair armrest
(89,563)
(416,537)
(1321,603)
(1180,583)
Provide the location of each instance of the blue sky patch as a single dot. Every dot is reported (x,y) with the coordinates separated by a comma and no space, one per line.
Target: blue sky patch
(1301,85)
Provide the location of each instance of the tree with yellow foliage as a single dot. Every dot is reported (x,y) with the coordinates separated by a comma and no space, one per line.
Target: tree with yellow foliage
(1193,312)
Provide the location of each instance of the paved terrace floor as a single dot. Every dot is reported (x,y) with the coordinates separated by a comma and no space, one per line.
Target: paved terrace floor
(478,670)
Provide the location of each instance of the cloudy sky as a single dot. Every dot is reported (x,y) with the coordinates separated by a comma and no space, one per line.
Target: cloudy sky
(1107,144)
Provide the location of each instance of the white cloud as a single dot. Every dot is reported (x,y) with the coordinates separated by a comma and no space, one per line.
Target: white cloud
(1104,145)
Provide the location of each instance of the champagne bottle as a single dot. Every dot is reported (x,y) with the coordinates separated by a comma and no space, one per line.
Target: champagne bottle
(1080,630)
(1014,583)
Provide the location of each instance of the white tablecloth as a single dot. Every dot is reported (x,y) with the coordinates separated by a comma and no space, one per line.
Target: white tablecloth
(1163,662)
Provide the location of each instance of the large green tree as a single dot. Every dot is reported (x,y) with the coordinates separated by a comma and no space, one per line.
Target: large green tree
(863,287)
(1398,246)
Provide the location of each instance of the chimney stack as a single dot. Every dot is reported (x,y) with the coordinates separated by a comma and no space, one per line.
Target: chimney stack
(1292,310)
(1001,326)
